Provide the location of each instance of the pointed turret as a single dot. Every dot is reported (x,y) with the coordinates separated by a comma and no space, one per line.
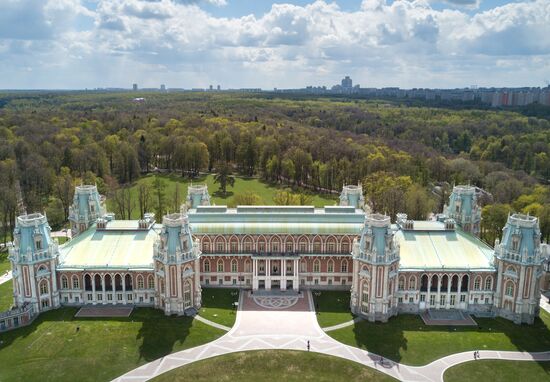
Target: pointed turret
(197,195)
(88,205)
(352,195)
(464,209)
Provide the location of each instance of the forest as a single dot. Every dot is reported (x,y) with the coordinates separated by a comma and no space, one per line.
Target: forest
(406,157)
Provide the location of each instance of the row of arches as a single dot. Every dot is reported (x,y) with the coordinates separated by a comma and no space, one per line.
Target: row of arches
(316,266)
(116,282)
(276,244)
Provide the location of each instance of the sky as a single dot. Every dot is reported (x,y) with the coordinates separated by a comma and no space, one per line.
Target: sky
(77,44)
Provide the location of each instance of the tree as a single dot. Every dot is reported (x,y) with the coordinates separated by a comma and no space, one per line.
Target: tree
(418,203)
(386,192)
(64,190)
(246,199)
(159,187)
(284,198)
(177,203)
(144,198)
(493,219)
(223,177)
(55,211)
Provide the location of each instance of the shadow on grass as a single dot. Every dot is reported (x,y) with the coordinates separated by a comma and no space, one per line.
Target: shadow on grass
(221,195)
(159,333)
(394,338)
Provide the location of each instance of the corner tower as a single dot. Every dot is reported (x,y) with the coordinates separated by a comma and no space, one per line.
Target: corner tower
(176,259)
(352,195)
(518,259)
(87,206)
(375,268)
(464,209)
(197,195)
(34,255)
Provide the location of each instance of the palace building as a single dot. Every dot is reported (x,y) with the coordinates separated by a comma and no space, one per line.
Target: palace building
(389,268)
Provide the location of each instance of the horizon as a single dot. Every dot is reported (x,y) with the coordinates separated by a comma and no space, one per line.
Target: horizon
(435,44)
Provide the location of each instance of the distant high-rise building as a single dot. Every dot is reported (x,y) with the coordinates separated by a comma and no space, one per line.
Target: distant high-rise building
(347,83)
(219,88)
(134,87)
(163,88)
(211,87)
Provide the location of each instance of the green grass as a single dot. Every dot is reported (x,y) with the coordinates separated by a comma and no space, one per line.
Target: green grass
(266,191)
(332,307)
(217,305)
(502,371)
(6,295)
(406,339)
(274,365)
(52,350)
(5,264)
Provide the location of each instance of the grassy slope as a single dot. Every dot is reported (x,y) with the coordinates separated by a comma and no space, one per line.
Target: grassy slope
(5,264)
(274,365)
(242,185)
(502,371)
(332,307)
(51,349)
(6,295)
(217,305)
(406,339)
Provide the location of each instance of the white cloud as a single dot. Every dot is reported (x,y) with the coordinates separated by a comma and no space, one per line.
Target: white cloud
(405,43)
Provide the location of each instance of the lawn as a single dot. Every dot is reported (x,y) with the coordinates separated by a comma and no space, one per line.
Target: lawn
(6,295)
(217,305)
(502,371)
(266,191)
(332,307)
(406,339)
(274,365)
(51,349)
(5,264)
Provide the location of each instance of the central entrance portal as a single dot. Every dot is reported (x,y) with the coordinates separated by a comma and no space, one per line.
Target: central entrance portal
(275,271)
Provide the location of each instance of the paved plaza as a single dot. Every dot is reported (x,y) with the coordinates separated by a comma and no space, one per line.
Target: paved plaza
(260,327)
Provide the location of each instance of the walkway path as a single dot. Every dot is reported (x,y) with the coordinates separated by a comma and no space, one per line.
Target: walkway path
(343,325)
(212,323)
(544,303)
(4,278)
(284,329)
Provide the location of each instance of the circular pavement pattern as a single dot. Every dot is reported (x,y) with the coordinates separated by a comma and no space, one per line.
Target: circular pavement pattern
(275,302)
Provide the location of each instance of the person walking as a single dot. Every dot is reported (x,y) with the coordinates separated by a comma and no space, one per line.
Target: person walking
(307,345)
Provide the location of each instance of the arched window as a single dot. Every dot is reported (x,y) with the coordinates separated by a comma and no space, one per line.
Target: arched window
(234,266)
(303,244)
(220,245)
(444,283)
(162,289)
(289,245)
(206,246)
(97,282)
(401,283)
(118,282)
(43,287)
(187,302)
(247,244)
(234,244)
(128,282)
(412,283)
(344,266)
(140,282)
(261,244)
(220,265)
(247,267)
(344,245)
(464,287)
(488,283)
(365,298)
(330,266)
(108,282)
(509,291)
(275,244)
(303,266)
(206,265)
(435,282)
(454,283)
(64,282)
(76,282)
(88,282)
(150,282)
(424,283)
(331,245)
(477,283)
(317,266)
(317,245)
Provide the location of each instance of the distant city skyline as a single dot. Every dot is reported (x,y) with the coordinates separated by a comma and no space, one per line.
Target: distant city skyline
(77,44)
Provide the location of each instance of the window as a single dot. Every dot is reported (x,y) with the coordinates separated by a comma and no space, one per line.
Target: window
(432,299)
(109,297)
(303,266)
(65,299)
(422,298)
(220,265)
(90,297)
(412,283)
(206,265)
(453,300)
(76,283)
(462,298)
(477,283)
(99,297)
(289,246)
(303,246)
(205,246)
(119,296)
(317,247)
(411,300)
(207,282)
(43,287)
(38,244)
(329,281)
(331,247)
(330,267)
(343,281)
(45,303)
(275,246)
(129,297)
(400,300)
(515,243)
(219,246)
(64,282)
(220,281)
(233,266)
(247,266)
(401,283)
(261,246)
(141,299)
(316,266)
(365,298)
(248,245)
(442,299)
(345,247)
(476,300)
(510,289)
(234,281)
(486,301)
(344,267)
(234,246)
(140,282)
(77,299)
(488,283)
(151,299)
(289,268)
(316,282)
(187,295)
(151,282)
